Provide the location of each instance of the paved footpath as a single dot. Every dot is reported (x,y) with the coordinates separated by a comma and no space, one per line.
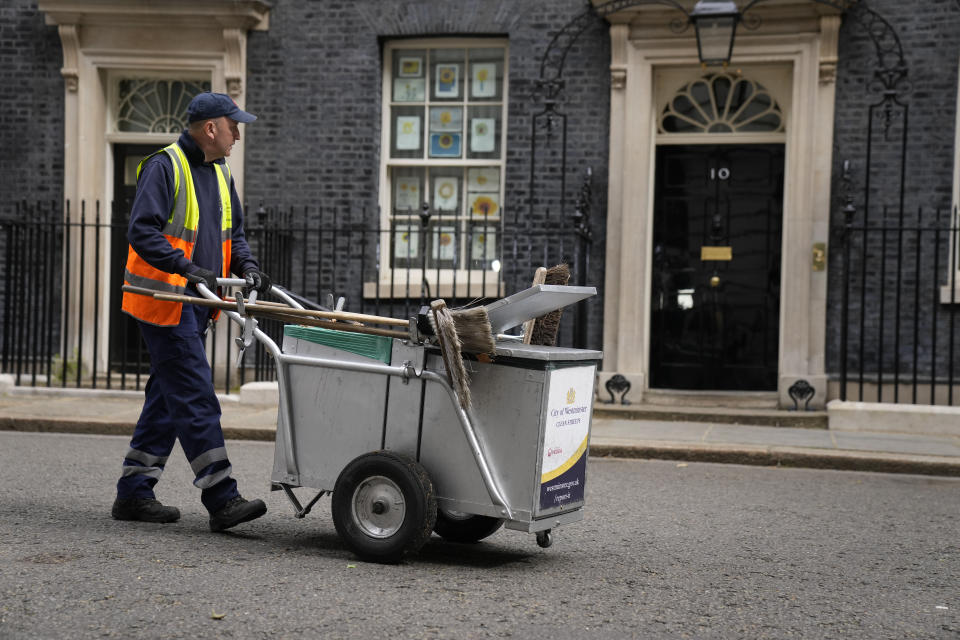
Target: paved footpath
(115,413)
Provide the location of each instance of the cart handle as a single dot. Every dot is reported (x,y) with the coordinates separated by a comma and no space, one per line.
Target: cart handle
(276,290)
(286,410)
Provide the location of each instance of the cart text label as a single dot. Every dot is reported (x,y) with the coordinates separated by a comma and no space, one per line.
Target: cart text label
(566,436)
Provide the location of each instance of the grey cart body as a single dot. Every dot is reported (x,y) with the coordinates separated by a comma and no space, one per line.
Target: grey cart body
(517,457)
(530,415)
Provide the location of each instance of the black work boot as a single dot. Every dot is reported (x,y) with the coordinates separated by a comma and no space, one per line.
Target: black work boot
(144,510)
(236,510)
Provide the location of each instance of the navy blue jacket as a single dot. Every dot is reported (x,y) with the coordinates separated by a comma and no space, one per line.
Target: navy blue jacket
(154,202)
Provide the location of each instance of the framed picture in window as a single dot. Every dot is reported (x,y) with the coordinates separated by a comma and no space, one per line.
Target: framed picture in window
(485,204)
(446,119)
(445,193)
(483,179)
(444,242)
(444,145)
(407,196)
(408,89)
(483,246)
(483,138)
(410,67)
(447,81)
(483,82)
(406,244)
(408,133)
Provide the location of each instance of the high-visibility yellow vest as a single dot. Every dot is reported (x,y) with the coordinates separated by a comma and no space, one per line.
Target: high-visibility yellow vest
(181,232)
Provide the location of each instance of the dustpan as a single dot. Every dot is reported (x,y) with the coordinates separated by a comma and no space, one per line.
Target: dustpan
(534,302)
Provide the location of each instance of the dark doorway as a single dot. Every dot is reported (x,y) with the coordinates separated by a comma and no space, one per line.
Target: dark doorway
(125,352)
(715,307)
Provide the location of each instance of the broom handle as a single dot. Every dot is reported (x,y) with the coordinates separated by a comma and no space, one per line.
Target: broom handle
(308,313)
(329,324)
(539,277)
(274,313)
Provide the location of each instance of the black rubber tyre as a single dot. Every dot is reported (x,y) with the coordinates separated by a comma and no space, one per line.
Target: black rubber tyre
(544,539)
(384,506)
(456,527)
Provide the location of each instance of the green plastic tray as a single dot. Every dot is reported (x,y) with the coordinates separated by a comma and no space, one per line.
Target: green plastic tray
(375,347)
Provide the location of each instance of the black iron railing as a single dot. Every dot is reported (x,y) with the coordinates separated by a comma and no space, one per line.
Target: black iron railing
(900,324)
(60,284)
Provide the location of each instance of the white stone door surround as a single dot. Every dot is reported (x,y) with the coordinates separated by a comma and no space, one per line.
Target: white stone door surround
(798,37)
(104,40)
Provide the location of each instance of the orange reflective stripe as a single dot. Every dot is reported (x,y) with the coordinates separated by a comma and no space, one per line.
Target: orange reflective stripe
(184,245)
(140,267)
(227,253)
(147,309)
(141,274)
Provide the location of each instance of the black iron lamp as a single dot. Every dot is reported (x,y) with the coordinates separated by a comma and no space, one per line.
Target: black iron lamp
(716,24)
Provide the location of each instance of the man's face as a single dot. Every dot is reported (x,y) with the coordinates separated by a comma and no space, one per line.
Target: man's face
(225,134)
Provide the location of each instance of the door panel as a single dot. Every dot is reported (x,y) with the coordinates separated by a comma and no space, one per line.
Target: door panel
(125,351)
(716,267)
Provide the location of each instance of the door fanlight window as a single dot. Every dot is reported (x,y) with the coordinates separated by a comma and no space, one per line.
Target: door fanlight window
(150,105)
(722,103)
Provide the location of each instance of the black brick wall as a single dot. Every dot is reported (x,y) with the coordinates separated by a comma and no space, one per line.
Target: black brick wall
(929,33)
(31,126)
(31,107)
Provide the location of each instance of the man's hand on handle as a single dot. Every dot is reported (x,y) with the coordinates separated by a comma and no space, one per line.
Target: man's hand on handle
(198,274)
(258,280)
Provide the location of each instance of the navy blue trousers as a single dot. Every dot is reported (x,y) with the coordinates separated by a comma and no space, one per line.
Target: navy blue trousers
(180,404)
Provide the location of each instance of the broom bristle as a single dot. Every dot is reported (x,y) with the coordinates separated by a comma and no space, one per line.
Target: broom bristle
(450,347)
(474,331)
(559,274)
(546,328)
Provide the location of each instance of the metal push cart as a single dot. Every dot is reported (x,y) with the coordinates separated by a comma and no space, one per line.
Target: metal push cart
(375,421)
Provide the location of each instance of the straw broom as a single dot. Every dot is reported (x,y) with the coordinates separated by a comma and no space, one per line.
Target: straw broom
(547,327)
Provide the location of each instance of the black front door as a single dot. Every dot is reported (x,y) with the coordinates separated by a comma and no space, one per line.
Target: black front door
(125,352)
(715,308)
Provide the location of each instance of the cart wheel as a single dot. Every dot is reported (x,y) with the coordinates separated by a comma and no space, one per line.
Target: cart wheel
(384,506)
(544,538)
(456,526)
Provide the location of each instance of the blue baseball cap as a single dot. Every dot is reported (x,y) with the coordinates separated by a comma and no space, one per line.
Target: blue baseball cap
(214,105)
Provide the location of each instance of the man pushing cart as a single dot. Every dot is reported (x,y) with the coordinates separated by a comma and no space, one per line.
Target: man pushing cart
(378,421)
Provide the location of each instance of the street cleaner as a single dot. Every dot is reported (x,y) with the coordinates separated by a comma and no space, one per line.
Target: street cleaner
(186,227)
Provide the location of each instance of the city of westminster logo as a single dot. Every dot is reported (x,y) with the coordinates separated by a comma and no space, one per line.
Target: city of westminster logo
(571,396)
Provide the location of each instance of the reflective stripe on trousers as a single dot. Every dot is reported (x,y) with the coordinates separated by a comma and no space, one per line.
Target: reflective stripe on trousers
(180,404)
(143,463)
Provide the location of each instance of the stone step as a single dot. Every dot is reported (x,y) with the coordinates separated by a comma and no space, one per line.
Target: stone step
(711,399)
(716,414)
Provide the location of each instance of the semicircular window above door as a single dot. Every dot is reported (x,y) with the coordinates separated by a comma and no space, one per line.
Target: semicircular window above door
(722,103)
(152,105)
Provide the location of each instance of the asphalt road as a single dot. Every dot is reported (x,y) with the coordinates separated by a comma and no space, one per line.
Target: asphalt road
(665,550)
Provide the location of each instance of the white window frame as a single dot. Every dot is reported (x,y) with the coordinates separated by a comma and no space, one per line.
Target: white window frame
(482,282)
